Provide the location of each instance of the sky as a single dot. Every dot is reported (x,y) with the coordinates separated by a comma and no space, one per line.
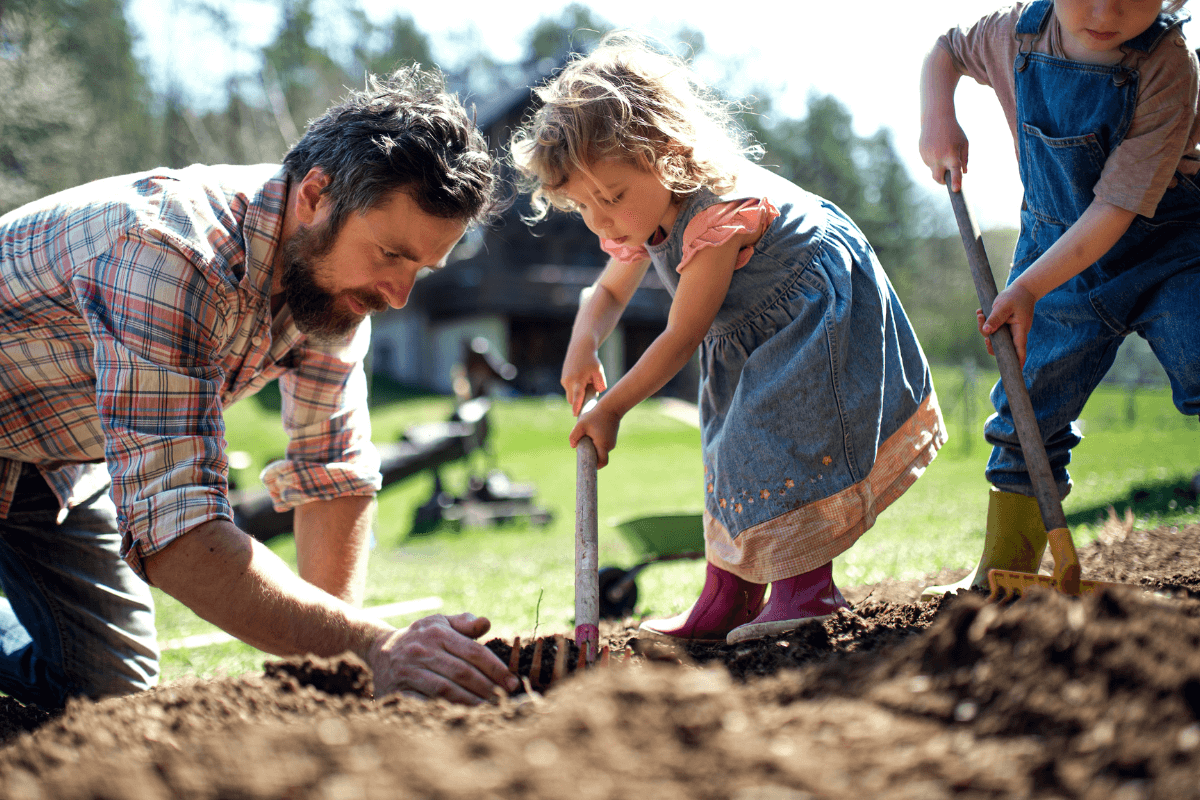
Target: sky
(870,60)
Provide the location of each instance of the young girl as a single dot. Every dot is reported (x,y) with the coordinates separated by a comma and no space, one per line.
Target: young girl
(816,404)
(1101,99)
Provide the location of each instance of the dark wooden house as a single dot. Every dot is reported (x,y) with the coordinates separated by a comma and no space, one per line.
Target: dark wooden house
(515,285)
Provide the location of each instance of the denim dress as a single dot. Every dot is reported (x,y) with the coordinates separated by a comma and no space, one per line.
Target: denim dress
(809,366)
(1070,117)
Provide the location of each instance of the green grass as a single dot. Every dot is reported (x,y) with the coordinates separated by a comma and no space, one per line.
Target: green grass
(521,576)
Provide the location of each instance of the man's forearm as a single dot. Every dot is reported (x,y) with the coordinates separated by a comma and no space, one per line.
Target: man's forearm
(332,544)
(238,584)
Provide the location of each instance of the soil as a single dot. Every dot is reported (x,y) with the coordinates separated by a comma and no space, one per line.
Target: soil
(1041,697)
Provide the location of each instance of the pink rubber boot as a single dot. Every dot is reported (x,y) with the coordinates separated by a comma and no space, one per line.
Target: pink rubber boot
(794,602)
(726,602)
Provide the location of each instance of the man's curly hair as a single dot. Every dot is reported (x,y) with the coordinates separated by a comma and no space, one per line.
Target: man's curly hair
(404,132)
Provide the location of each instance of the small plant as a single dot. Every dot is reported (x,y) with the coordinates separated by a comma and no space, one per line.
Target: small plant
(537,612)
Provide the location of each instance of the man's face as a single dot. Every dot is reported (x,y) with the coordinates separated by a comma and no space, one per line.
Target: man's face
(332,280)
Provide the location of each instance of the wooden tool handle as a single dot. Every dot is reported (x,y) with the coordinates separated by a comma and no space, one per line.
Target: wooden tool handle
(1030,436)
(587,573)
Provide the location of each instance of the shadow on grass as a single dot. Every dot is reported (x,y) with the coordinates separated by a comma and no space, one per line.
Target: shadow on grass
(1162,499)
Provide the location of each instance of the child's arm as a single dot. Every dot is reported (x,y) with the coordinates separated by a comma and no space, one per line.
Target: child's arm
(943,141)
(1092,235)
(702,288)
(598,315)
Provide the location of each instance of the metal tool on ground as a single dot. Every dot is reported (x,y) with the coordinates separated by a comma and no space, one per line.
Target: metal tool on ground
(1066,576)
(587,579)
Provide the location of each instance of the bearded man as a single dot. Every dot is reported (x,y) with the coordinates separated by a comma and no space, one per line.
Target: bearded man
(133,311)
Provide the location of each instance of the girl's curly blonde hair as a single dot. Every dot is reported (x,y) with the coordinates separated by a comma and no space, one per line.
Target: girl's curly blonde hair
(629,101)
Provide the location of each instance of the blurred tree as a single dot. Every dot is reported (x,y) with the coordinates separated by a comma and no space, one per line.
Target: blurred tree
(75,105)
(819,152)
(180,146)
(402,43)
(575,28)
(97,37)
(299,78)
(889,217)
(46,116)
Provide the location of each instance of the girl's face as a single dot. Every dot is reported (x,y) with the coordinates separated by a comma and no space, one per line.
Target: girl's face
(1094,30)
(621,201)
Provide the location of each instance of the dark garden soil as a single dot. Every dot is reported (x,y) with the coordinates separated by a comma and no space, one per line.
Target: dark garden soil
(1044,697)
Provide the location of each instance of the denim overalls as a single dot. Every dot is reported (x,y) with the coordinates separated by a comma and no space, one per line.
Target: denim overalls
(809,365)
(1070,117)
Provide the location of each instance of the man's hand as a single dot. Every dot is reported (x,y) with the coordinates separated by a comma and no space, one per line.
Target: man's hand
(238,584)
(436,657)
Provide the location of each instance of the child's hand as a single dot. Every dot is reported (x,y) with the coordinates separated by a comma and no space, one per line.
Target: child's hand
(943,142)
(944,148)
(580,372)
(601,426)
(1014,307)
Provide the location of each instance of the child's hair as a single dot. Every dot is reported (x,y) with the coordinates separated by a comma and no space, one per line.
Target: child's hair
(629,101)
(1174,6)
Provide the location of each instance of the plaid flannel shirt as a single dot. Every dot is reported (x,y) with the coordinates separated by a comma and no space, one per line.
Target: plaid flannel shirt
(133,310)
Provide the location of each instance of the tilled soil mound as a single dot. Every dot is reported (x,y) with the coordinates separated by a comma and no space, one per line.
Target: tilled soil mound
(1044,697)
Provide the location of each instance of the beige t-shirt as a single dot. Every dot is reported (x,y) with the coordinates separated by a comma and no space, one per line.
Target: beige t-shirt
(1165,130)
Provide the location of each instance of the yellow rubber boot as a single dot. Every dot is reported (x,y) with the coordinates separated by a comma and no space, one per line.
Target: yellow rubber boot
(1015,539)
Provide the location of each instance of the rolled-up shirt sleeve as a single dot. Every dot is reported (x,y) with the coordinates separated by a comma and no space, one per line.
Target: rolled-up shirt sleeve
(159,326)
(326,418)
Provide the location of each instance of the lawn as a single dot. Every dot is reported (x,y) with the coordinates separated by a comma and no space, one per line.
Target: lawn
(1138,451)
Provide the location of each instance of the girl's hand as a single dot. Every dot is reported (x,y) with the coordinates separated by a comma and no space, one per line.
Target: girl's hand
(600,425)
(581,370)
(1014,307)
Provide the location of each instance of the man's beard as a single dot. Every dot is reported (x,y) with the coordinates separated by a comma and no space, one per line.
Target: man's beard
(318,313)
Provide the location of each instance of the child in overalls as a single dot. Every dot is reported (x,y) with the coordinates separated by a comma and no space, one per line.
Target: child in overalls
(816,405)
(1101,98)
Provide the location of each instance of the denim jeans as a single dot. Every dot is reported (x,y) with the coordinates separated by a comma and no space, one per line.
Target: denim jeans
(76,620)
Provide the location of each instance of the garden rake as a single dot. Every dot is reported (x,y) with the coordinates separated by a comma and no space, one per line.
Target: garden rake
(1066,576)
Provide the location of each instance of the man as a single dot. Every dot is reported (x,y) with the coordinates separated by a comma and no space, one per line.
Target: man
(132,311)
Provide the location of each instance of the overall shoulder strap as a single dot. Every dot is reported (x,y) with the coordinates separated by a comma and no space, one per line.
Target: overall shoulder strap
(1033,18)
(1148,39)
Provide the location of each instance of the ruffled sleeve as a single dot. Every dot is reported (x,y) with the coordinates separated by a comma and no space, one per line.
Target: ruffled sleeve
(624,253)
(715,225)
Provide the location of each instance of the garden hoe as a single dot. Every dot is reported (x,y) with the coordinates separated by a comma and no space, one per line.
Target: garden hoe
(1066,575)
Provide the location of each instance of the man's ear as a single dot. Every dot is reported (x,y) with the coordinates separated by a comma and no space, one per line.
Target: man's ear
(309,196)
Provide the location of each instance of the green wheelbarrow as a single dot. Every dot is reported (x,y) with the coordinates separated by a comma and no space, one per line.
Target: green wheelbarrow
(665,537)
